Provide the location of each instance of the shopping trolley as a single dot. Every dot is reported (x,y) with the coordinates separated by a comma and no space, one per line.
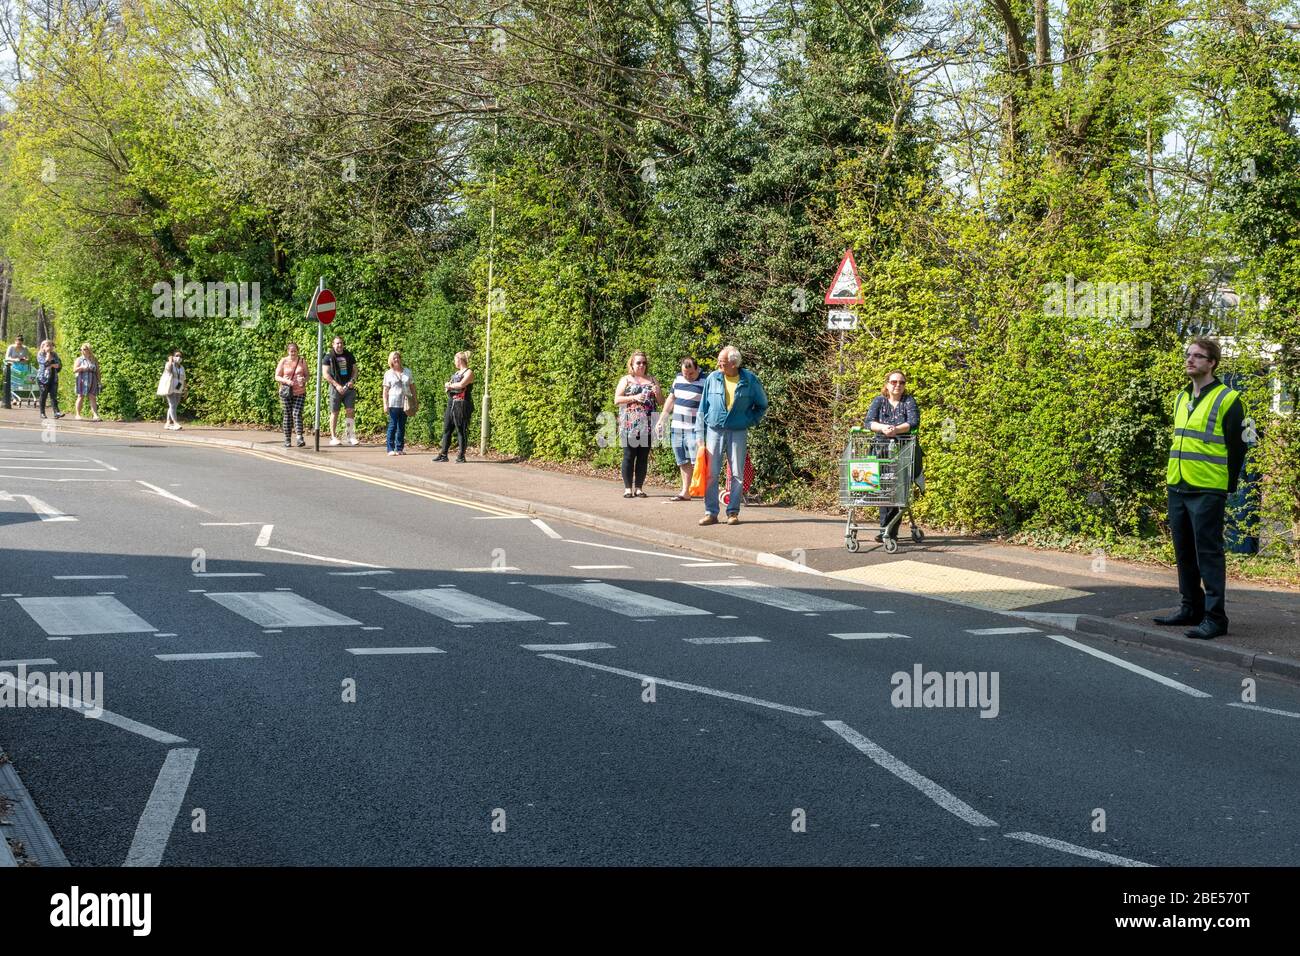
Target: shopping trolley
(875,472)
(23,387)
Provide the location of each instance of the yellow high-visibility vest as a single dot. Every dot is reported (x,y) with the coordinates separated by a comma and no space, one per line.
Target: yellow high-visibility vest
(1199,453)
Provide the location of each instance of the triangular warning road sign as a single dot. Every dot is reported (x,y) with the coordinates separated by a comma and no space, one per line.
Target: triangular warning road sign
(846,287)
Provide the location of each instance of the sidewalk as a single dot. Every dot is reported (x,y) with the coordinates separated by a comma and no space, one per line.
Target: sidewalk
(1112,599)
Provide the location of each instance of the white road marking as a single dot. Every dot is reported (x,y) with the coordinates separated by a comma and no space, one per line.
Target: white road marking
(709,564)
(106,465)
(727,617)
(45,468)
(30,662)
(776,561)
(1152,675)
(486,570)
(226,524)
(558,623)
(591,646)
(1068,621)
(395,650)
(209,656)
(60,480)
(693,688)
(280,609)
(1262,710)
(1004,630)
(64,460)
(782,598)
(168,634)
(167,494)
(106,716)
(318,557)
(749,639)
(1076,850)
(902,771)
(458,607)
(547,529)
(90,577)
(43,511)
(84,615)
(159,816)
(870,636)
(229,574)
(354,574)
(372,628)
(105,592)
(264,538)
(882,612)
(607,597)
(601,567)
(498,517)
(615,547)
(11,594)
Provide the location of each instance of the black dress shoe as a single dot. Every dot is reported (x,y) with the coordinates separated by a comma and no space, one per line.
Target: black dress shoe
(1180,617)
(439,457)
(1207,631)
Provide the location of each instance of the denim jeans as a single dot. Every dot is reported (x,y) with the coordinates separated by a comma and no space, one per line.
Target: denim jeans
(732,442)
(396,429)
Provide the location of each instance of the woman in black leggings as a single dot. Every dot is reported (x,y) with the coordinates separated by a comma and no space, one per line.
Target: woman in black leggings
(48,365)
(460,406)
(637,395)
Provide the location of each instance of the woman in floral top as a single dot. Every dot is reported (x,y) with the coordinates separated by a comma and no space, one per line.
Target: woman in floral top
(637,395)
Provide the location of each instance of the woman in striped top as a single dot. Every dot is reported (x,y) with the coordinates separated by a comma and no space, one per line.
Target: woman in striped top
(684,404)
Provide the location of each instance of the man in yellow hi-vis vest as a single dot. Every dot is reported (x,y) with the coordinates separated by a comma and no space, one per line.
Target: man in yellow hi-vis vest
(1205,459)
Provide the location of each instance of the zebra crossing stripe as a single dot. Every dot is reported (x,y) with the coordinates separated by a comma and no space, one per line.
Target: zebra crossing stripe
(783,598)
(277,609)
(607,597)
(458,607)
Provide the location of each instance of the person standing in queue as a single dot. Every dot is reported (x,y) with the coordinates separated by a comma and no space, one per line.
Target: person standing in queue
(733,401)
(340,369)
(460,406)
(1205,460)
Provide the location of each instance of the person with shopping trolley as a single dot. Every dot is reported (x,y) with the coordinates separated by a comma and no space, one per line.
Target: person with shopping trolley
(733,401)
(893,413)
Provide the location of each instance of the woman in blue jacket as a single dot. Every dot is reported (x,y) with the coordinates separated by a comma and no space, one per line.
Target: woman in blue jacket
(733,402)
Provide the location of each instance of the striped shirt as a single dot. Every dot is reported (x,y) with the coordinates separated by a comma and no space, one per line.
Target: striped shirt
(686,401)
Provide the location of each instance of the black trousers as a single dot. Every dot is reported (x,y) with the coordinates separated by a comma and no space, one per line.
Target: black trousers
(50,390)
(456,416)
(1196,523)
(636,461)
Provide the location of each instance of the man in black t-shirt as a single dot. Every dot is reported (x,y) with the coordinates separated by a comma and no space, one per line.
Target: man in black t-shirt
(340,370)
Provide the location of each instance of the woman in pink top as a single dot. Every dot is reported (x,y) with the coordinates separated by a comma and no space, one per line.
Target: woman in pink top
(291,373)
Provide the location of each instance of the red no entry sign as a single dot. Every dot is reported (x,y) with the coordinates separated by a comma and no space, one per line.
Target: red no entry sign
(323,307)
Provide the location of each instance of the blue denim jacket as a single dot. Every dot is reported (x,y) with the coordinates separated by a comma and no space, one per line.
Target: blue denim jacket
(747,408)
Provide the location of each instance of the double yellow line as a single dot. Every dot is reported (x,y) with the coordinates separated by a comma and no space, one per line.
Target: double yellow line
(385,483)
(280,459)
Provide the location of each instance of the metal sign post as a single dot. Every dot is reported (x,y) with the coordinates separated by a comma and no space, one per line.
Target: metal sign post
(320,338)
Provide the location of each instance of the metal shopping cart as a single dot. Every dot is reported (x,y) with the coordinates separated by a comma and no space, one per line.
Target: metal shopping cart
(23,388)
(878,472)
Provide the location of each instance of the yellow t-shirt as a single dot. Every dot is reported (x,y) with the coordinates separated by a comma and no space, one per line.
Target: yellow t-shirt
(730,383)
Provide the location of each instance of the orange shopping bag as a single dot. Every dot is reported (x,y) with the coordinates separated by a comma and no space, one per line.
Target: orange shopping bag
(700,477)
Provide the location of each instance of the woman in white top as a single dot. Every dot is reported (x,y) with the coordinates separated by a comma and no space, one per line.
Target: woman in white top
(172,387)
(399,399)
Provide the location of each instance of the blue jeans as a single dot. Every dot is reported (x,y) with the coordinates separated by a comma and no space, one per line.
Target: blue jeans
(396,429)
(732,441)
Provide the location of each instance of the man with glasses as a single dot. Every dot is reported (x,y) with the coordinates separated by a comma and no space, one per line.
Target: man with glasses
(1205,460)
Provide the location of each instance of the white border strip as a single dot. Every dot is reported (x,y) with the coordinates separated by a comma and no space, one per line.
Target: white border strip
(695,688)
(1064,847)
(1150,675)
(902,771)
(159,816)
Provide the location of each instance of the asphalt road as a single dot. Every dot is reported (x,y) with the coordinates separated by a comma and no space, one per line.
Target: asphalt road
(671,745)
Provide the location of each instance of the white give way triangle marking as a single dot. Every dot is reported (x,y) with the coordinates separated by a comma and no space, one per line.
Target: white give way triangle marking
(45,511)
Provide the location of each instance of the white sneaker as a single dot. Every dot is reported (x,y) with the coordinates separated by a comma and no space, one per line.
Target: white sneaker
(335,441)
(392,454)
(352,440)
